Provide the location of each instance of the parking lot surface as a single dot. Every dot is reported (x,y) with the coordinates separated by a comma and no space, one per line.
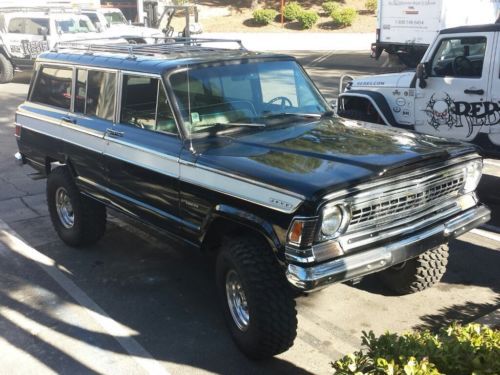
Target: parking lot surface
(137,303)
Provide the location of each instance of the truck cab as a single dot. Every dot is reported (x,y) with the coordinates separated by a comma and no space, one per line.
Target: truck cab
(454,93)
(25,34)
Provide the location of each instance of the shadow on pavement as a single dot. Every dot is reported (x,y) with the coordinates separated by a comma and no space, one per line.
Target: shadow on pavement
(163,292)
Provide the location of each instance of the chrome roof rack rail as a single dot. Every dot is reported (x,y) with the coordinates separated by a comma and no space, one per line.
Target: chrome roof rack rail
(163,46)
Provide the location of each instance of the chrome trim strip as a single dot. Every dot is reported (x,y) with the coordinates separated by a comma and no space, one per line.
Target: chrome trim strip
(393,179)
(370,261)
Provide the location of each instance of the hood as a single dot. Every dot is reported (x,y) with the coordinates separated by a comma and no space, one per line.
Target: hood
(313,159)
(385,80)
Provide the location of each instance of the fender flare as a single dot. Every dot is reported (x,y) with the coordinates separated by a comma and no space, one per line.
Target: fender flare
(378,102)
(242,218)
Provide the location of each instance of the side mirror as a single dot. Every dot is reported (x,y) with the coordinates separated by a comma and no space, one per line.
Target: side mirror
(43,31)
(99,27)
(422,75)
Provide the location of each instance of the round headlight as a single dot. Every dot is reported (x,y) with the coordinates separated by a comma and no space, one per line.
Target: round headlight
(331,222)
(472,172)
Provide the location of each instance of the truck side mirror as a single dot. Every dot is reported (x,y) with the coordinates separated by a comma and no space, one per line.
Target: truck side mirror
(43,31)
(422,75)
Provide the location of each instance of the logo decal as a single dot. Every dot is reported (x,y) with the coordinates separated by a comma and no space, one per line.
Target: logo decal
(443,110)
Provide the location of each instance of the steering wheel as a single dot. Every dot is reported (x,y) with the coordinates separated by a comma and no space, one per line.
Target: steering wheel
(284,101)
(462,66)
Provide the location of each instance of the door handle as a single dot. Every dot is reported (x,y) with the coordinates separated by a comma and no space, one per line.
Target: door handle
(474,92)
(68,119)
(114,133)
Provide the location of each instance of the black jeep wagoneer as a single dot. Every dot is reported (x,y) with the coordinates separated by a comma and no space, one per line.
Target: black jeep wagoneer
(238,154)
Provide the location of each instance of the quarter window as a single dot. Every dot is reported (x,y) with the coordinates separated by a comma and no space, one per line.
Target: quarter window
(53,87)
(144,104)
(32,26)
(459,57)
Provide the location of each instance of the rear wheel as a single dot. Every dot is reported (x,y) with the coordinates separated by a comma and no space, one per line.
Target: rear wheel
(258,304)
(78,220)
(6,69)
(417,274)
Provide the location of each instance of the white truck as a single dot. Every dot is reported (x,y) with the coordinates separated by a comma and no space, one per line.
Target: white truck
(406,27)
(454,92)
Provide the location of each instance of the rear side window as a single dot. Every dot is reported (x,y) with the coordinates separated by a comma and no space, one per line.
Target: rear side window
(95,93)
(53,87)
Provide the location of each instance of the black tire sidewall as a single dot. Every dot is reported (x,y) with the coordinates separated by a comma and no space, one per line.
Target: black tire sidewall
(244,339)
(56,179)
(6,69)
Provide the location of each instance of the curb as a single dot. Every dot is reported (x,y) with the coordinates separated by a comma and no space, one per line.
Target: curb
(491,320)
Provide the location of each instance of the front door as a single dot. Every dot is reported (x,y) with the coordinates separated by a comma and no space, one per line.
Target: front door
(142,153)
(454,104)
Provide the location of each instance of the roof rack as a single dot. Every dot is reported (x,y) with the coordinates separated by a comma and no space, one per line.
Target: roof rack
(163,46)
(43,9)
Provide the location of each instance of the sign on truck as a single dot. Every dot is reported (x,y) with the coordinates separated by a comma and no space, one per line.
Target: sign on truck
(406,27)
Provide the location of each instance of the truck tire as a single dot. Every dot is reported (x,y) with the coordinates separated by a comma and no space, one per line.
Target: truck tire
(6,69)
(258,305)
(77,219)
(418,273)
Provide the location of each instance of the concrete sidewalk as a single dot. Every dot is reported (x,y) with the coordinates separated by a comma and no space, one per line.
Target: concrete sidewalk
(300,41)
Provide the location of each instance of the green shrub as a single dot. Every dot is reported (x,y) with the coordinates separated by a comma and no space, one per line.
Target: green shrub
(307,19)
(292,11)
(330,6)
(264,16)
(371,5)
(344,16)
(457,350)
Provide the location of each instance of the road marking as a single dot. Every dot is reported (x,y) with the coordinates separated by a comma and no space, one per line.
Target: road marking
(484,233)
(319,59)
(121,333)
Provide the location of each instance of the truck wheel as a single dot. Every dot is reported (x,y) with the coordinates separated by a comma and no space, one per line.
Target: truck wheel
(417,274)
(258,305)
(78,220)
(6,69)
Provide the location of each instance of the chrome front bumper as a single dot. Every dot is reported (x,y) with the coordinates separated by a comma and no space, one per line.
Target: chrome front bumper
(370,261)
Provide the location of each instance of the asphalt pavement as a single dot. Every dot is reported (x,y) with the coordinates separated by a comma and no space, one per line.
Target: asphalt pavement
(136,303)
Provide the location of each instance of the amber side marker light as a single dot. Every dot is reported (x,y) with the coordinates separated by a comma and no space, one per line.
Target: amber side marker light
(295,233)
(18,131)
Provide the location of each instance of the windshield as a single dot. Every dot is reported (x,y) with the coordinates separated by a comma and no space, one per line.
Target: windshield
(115,17)
(245,94)
(74,25)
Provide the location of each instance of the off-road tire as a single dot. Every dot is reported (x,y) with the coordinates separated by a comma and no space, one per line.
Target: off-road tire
(6,69)
(417,274)
(272,325)
(89,215)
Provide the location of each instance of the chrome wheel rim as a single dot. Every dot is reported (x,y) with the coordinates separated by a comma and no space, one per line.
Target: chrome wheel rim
(237,301)
(64,208)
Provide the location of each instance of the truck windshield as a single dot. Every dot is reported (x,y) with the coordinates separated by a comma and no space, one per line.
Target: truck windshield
(115,18)
(74,25)
(244,94)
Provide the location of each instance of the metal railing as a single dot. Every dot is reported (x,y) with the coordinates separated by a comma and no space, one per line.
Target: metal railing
(162,46)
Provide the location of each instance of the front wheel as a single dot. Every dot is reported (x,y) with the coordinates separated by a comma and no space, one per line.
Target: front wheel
(418,273)
(6,69)
(258,304)
(77,219)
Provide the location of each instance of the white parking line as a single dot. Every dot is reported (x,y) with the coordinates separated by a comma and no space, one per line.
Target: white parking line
(121,333)
(484,233)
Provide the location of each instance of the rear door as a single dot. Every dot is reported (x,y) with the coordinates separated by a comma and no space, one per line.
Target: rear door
(453,102)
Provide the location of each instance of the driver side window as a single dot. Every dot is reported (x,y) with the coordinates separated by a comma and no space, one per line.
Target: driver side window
(459,57)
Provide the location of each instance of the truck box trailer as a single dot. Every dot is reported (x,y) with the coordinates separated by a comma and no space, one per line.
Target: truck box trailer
(407,27)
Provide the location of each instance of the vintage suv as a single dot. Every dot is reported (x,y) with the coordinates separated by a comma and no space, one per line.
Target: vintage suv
(454,93)
(238,154)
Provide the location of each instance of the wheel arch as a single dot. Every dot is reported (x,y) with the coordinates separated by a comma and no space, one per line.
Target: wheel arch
(225,219)
(375,99)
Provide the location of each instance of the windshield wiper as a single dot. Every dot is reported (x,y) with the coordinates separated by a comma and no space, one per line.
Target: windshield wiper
(293,114)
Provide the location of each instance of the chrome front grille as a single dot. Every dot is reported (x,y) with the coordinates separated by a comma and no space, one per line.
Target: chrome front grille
(404,200)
